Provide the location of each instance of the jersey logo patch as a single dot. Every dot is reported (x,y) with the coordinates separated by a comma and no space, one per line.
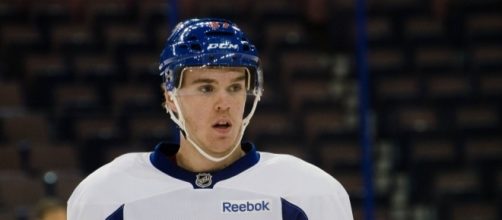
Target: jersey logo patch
(203,180)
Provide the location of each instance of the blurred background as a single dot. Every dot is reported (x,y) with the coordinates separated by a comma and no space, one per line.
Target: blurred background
(79,85)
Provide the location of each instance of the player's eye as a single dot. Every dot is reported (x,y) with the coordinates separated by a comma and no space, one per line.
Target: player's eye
(206,89)
(235,88)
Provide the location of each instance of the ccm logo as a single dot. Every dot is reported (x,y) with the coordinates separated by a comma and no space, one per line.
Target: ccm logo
(223,46)
(245,206)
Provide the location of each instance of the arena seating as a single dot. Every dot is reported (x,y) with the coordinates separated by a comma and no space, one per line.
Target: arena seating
(79,86)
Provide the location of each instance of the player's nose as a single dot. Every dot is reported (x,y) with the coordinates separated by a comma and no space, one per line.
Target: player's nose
(223,101)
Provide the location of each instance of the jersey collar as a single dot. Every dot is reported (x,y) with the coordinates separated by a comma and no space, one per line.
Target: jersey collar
(163,151)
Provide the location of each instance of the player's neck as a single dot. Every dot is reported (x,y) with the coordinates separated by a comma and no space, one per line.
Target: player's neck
(190,159)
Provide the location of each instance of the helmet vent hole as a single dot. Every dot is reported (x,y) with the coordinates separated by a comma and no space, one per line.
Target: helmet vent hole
(218,33)
(195,47)
(245,47)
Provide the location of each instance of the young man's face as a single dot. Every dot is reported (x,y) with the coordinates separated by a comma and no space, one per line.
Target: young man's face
(212,101)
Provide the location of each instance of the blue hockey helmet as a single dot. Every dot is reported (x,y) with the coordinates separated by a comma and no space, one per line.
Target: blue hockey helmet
(209,42)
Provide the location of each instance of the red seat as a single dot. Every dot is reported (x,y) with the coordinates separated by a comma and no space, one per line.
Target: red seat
(485,210)
(47,157)
(30,127)
(273,122)
(341,153)
(456,181)
(477,116)
(447,86)
(401,87)
(11,97)
(17,189)
(9,158)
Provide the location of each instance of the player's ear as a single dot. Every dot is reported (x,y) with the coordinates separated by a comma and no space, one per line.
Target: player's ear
(168,103)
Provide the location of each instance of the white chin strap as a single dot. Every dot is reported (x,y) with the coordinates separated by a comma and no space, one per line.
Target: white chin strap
(180,121)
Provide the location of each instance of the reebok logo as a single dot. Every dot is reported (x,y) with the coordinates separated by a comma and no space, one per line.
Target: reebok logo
(245,206)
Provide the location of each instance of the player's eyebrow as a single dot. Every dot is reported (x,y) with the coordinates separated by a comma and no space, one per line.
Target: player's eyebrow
(209,80)
(203,80)
(240,78)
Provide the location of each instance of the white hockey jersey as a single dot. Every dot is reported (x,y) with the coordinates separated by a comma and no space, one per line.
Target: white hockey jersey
(259,185)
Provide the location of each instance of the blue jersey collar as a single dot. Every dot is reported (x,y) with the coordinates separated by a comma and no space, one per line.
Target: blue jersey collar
(163,151)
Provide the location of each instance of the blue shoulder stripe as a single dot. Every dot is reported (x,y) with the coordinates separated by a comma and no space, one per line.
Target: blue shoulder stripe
(117,215)
(292,212)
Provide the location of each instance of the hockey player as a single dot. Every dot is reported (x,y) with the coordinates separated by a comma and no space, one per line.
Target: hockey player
(212,84)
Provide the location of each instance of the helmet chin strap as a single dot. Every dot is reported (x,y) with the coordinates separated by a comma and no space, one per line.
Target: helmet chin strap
(180,121)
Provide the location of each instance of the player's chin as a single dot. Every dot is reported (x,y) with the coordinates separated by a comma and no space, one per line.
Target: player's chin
(223,140)
(222,145)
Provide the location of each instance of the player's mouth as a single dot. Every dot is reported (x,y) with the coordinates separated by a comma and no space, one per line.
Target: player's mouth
(222,126)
